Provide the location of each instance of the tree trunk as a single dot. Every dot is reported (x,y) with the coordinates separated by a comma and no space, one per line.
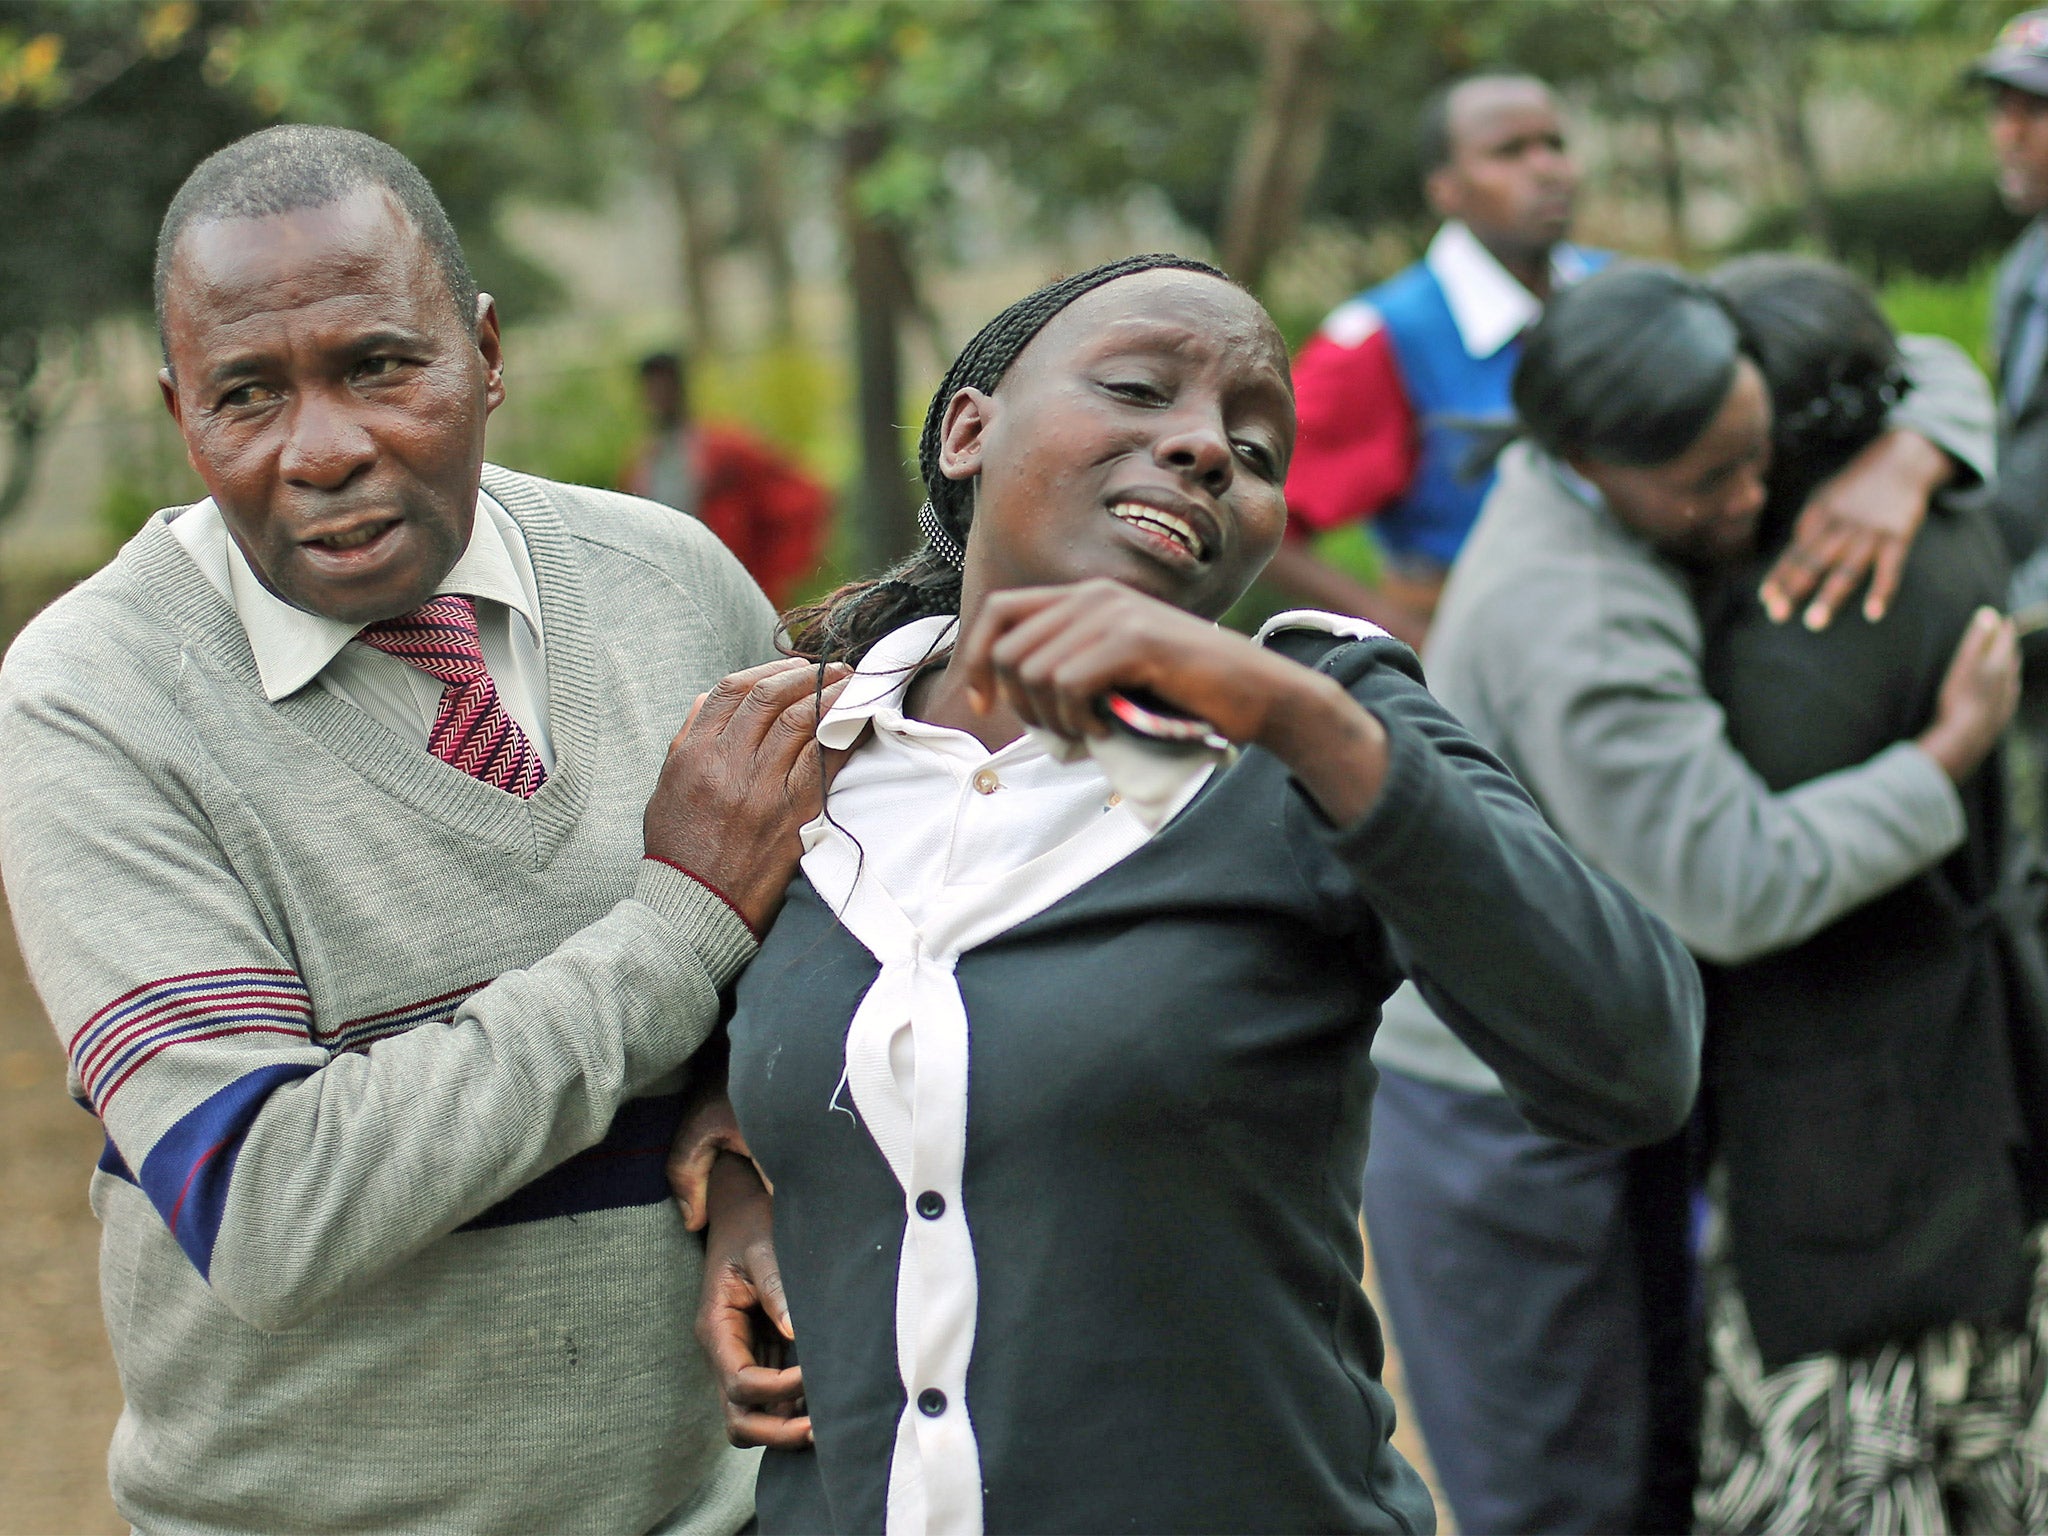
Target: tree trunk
(675,154)
(766,199)
(1808,188)
(23,410)
(1281,145)
(1671,181)
(886,511)
(1788,71)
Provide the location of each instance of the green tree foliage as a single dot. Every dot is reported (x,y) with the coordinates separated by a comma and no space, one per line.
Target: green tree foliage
(490,99)
(104,107)
(1249,116)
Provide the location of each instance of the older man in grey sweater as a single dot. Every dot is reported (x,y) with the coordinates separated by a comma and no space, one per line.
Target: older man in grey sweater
(379,918)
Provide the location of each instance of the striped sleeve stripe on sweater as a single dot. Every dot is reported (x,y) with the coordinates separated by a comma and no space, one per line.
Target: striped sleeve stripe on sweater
(187,1171)
(359,1034)
(198,1006)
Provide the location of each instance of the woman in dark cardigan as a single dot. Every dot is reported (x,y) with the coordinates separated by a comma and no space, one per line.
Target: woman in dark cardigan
(1057,1062)
(1874,1356)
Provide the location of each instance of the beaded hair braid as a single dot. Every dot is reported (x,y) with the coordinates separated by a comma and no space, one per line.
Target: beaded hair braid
(842,625)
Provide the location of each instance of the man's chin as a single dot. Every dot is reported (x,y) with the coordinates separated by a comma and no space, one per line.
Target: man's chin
(391,575)
(2023,199)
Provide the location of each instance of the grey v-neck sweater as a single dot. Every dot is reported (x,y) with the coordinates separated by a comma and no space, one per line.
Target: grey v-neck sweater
(387,1058)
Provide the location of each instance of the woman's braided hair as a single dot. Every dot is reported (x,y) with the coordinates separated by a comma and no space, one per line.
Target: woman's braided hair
(842,625)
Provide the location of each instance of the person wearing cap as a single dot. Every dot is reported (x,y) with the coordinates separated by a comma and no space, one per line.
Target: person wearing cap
(2016,71)
(1401,387)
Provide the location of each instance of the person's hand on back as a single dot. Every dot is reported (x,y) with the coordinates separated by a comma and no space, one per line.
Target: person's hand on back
(1860,522)
(742,1318)
(1977,696)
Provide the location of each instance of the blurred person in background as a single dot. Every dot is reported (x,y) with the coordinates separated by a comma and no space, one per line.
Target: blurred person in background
(1402,387)
(2016,72)
(1394,381)
(765,509)
(1538,1290)
(379,913)
(1874,1118)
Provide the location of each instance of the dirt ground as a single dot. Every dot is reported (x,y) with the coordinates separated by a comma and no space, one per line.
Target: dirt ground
(58,1394)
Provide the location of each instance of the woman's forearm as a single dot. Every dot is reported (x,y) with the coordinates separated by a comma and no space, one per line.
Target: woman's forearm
(1334,746)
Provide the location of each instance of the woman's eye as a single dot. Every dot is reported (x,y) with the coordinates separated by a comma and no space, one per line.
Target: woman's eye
(1259,456)
(1138,390)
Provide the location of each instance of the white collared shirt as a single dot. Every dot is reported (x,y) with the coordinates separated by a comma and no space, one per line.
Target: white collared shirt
(1488,303)
(940,816)
(293,647)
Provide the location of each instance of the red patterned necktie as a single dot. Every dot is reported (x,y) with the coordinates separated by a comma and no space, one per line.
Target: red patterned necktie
(473,731)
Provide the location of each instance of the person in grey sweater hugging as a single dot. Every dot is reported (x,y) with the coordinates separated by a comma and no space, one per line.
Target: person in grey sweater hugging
(1531,1283)
(379,916)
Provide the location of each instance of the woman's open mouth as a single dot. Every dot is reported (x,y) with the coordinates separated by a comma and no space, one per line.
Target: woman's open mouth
(1175,532)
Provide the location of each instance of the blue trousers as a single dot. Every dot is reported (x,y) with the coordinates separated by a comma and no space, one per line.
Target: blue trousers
(1541,1297)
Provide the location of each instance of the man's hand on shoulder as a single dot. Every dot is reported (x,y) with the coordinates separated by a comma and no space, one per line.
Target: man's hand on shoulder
(743,776)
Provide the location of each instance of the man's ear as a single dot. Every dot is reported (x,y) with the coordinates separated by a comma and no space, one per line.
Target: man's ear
(487,343)
(167,385)
(1440,191)
(963,431)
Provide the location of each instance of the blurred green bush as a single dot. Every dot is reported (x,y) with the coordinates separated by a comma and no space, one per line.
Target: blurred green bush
(1958,308)
(582,420)
(125,505)
(1936,226)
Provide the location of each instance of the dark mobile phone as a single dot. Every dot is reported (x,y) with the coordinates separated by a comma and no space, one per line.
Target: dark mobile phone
(1141,713)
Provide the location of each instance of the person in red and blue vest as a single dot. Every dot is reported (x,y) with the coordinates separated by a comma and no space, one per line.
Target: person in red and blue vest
(1392,387)
(1404,389)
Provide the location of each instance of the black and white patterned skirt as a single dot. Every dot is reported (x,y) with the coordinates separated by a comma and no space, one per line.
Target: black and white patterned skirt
(1946,1433)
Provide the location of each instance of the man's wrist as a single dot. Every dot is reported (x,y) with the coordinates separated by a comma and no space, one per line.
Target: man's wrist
(1948,754)
(690,874)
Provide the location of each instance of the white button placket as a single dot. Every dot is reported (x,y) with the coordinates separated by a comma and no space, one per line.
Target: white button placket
(913,1104)
(934,1349)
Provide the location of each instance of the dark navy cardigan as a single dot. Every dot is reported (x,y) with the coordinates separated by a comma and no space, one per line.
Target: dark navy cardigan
(1169,1096)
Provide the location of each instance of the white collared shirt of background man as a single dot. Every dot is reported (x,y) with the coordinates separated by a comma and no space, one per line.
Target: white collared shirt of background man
(293,647)
(1488,303)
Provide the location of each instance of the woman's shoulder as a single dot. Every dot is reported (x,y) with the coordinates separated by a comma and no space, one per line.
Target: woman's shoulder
(1346,647)
(1541,548)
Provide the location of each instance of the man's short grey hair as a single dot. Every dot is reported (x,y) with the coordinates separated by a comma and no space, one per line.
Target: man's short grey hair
(296,166)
